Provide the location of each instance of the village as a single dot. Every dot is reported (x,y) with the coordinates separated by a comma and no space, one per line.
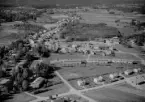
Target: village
(47,67)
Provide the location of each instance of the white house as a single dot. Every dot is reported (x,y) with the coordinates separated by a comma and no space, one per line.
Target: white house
(136,70)
(81,82)
(113,75)
(128,72)
(98,79)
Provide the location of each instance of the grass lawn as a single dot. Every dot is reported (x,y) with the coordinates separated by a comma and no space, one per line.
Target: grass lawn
(22,97)
(55,89)
(113,95)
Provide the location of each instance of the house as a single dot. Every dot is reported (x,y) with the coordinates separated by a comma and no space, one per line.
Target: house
(37,82)
(81,82)
(98,79)
(128,72)
(136,70)
(113,75)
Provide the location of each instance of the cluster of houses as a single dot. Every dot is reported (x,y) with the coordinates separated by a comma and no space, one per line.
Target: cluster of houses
(89,47)
(116,76)
(50,37)
(76,62)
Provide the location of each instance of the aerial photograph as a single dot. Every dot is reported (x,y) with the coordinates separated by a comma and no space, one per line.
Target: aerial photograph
(72,50)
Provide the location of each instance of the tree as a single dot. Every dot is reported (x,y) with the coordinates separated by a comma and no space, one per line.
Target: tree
(25,73)
(30,57)
(43,70)
(1,72)
(19,78)
(25,85)
(43,51)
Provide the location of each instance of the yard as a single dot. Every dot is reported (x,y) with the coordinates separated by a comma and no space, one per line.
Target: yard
(55,89)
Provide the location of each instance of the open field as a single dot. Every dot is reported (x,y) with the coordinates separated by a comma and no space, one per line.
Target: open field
(117,56)
(116,94)
(125,49)
(21,97)
(67,56)
(86,31)
(93,69)
(55,89)
(75,97)
(59,16)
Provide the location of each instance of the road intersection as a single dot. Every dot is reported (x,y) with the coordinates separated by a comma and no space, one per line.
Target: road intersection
(73,91)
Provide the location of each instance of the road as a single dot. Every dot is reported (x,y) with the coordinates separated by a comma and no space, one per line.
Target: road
(80,93)
(73,90)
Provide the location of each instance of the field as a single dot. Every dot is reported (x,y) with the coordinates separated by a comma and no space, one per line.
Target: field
(22,97)
(7,34)
(93,69)
(55,89)
(83,31)
(120,93)
(125,49)
(67,56)
(117,56)
(75,97)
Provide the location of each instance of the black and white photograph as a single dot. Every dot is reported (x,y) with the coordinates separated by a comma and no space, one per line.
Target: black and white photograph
(72,50)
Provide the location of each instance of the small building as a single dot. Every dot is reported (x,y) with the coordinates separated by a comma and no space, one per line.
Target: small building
(128,72)
(136,70)
(114,75)
(81,82)
(37,82)
(98,79)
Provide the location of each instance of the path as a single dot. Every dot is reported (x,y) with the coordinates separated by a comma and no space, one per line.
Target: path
(80,92)
(73,90)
